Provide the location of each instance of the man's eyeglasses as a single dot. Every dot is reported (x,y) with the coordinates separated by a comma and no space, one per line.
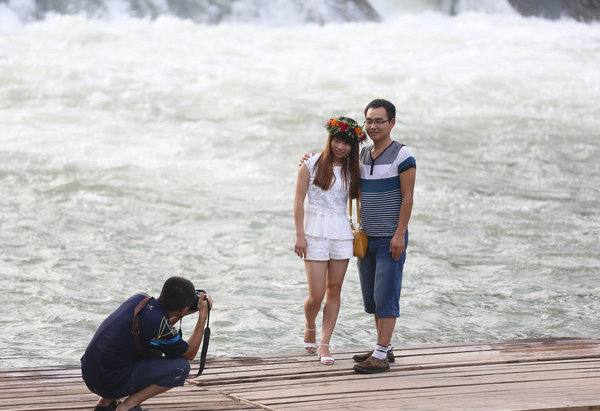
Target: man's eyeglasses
(377,122)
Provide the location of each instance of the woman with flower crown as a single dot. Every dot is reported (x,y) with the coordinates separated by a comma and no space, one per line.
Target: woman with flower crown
(323,235)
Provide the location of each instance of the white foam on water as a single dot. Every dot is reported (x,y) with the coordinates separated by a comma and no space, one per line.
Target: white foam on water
(276,13)
(132,149)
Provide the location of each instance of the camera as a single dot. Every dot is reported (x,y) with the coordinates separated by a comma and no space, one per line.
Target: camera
(194,304)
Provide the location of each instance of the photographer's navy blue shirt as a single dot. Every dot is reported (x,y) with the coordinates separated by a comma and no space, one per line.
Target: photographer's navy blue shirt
(111,354)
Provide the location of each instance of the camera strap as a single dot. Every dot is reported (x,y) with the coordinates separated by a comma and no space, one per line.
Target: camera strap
(205,340)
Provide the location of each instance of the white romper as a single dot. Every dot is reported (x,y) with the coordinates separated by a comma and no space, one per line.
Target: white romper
(326,224)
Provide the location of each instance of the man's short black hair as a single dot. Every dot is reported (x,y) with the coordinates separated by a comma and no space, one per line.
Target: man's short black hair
(177,293)
(387,105)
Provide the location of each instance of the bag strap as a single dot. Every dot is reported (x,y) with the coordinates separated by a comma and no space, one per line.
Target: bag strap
(357,208)
(135,327)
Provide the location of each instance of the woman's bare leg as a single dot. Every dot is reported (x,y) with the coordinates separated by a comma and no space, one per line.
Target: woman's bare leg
(316,278)
(335,277)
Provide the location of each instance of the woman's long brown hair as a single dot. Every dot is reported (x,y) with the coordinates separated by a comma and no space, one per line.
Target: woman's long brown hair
(324,177)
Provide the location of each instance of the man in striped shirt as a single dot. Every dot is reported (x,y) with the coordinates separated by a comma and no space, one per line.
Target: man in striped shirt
(388,171)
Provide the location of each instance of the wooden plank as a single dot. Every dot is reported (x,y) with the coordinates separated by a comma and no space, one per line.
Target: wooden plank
(447,397)
(507,375)
(301,368)
(406,382)
(75,396)
(471,373)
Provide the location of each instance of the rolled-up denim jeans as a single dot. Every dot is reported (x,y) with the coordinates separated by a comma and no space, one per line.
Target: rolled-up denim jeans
(381,278)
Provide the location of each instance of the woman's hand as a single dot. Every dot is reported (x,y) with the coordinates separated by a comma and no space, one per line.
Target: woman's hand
(300,246)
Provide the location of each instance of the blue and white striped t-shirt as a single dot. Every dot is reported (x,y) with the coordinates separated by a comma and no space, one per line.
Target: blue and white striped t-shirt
(380,188)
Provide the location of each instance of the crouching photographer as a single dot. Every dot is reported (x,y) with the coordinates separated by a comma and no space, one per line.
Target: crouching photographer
(137,353)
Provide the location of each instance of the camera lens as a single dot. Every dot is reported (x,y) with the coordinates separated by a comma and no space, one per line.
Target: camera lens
(194,305)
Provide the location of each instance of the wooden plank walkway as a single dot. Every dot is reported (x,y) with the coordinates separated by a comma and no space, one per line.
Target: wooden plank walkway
(547,374)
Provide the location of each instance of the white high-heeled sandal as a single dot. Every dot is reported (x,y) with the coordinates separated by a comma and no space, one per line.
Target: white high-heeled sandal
(325,360)
(311,348)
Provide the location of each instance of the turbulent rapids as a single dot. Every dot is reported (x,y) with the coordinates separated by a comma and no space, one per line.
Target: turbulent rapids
(135,144)
(290,12)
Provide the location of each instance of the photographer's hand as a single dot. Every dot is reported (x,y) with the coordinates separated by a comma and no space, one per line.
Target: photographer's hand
(204,304)
(196,338)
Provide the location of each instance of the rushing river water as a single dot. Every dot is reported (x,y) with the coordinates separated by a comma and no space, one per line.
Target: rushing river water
(132,150)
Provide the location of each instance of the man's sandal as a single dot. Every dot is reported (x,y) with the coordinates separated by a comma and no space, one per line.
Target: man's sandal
(311,348)
(110,407)
(325,360)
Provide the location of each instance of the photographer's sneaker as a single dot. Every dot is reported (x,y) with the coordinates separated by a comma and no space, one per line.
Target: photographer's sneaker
(362,357)
(372,365)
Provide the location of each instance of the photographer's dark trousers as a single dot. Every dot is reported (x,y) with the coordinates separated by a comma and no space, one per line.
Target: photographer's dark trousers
(161,371)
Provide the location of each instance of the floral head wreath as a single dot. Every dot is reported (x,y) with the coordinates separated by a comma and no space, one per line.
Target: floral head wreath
(349,127)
